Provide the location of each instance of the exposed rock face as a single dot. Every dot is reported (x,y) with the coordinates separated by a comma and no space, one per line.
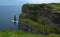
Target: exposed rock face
(50,14)
(32,29)
(28,28)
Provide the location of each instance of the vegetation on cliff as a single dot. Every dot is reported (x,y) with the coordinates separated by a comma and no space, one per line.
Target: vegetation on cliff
(43,16)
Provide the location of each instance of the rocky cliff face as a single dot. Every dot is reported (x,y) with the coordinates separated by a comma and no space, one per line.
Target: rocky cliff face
(51,13)
(43,14)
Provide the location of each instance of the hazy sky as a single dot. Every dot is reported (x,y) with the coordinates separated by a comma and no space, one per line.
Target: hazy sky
(43,1)
(19,2)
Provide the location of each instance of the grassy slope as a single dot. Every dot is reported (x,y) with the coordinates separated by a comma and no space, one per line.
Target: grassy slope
(34,5)
(24,34)
(56,4)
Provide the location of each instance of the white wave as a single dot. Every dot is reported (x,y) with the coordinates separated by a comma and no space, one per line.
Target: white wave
(14,21)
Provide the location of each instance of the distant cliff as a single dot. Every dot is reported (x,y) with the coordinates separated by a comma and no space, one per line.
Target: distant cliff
(40,18)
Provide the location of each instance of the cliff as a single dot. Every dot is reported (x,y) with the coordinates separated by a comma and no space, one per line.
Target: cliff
(40,18)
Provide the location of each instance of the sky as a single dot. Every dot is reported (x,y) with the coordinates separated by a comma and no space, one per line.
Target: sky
(19,2)
(43,1)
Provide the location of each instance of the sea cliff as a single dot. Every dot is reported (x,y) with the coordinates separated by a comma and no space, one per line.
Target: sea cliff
(40,18)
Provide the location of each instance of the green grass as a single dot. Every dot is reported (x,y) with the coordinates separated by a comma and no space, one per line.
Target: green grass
(56,4)
(35,5)
(24,34)
(30,22)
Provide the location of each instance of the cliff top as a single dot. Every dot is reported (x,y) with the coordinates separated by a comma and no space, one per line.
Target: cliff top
(35,5)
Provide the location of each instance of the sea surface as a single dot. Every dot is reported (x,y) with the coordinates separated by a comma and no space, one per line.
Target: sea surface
(7,14)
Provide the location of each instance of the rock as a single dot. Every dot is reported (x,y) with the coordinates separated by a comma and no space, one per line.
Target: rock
(49,15)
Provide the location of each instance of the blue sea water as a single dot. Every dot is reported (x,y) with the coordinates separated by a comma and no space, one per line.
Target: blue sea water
(7,14)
